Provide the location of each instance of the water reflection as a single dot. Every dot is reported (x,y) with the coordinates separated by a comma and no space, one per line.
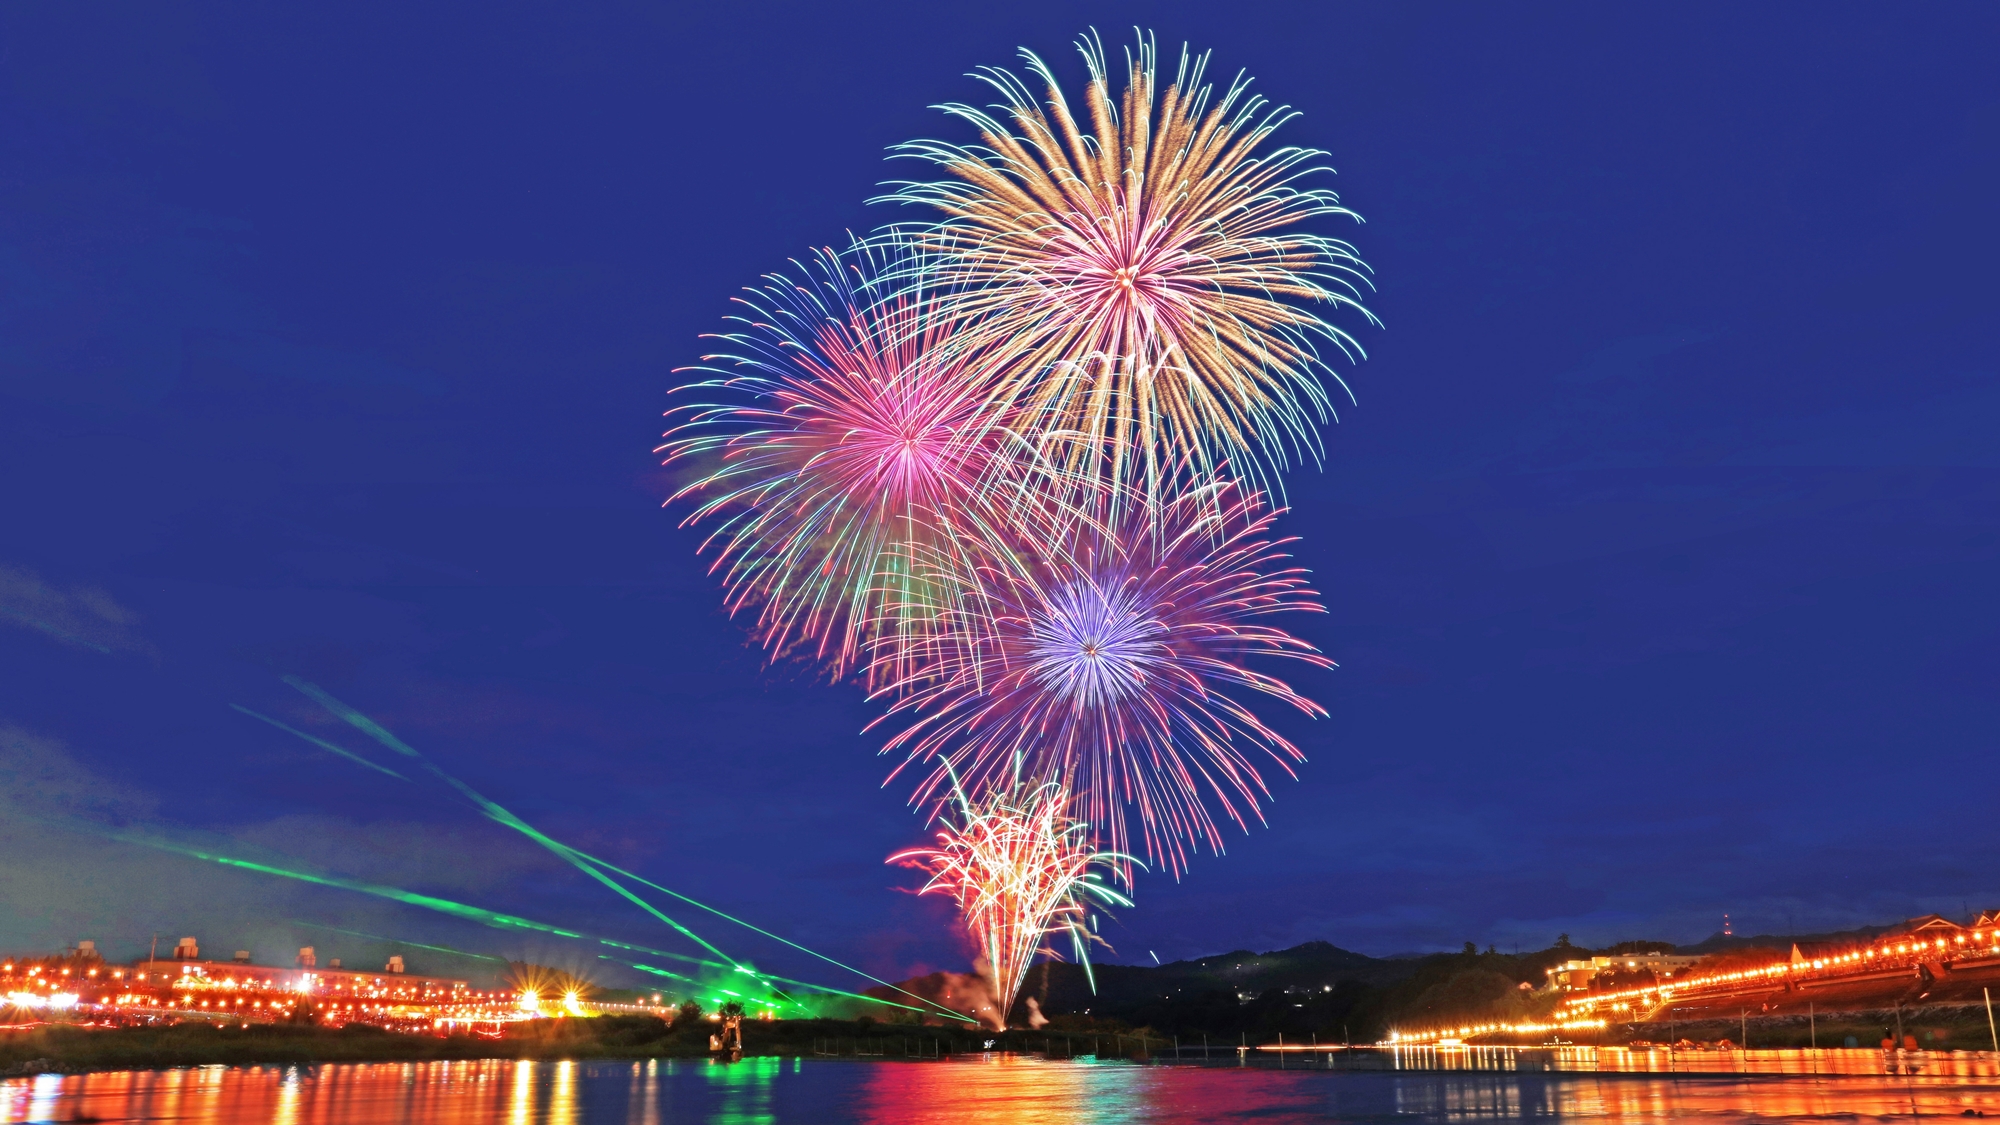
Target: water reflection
(521,1111)
(1036,1092)
(1013,1089)
(746,1090)
(288,1098)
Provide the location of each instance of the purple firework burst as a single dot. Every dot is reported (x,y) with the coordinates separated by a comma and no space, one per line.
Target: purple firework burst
(1116,663)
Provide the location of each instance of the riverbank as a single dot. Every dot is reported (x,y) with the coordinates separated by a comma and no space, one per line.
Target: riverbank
(69,1049)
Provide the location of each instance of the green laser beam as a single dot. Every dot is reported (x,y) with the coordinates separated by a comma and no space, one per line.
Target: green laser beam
(496,812)
(818,988)
(774,937)
(651,969)
(491,918)
(399,941)
(353,718)
(321,743)
(755,974)
(692,960)
(478,914)
(584,862)
(676,976)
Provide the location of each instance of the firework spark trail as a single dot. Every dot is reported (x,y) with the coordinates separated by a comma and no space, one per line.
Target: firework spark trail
(1107,666)
(1020,869)
(844,442)
(1139,270)
(584,861)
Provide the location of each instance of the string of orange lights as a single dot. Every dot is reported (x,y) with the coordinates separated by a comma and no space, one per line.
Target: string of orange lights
(156,991)
(1906,953)
(1903,953)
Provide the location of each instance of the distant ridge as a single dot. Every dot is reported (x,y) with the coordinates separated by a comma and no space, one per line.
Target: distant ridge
(1318,990)
(1720,942)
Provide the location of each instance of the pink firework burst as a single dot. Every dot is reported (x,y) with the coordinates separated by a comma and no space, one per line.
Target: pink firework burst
(843,446)
(1115,665)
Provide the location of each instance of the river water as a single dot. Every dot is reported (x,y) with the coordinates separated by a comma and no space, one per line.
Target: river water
(1029,1090)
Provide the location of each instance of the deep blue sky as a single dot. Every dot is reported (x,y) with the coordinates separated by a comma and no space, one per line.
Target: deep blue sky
(1660,549)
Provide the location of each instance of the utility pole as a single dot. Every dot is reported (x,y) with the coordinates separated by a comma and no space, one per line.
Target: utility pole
(1812,1021)
(1745,1016)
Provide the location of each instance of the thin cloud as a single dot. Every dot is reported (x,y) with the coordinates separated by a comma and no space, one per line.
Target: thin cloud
(80,616)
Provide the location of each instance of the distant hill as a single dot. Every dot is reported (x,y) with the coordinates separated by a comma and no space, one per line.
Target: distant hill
(1720,942)
(1318,989)
(1236,977)
(1314,989)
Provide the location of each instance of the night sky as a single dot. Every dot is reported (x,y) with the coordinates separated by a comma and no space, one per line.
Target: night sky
(1659,548)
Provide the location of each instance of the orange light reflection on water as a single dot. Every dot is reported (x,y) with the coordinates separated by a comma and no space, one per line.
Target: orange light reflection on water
(1013,1089)
(1030,1091)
